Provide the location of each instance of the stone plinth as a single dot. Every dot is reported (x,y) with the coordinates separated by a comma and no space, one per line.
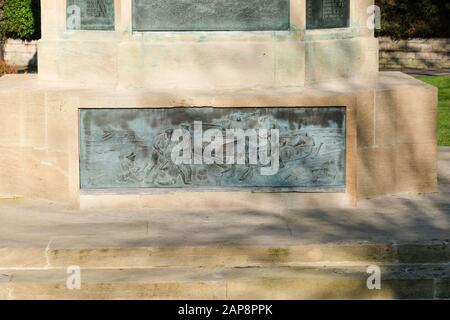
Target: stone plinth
(202,60)
(391,139)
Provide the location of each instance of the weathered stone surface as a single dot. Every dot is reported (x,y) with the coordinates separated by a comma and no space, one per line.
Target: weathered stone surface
(421,160)
(59,255)
(424,254)
(411,288)
(376,171)
(217,283)
(443,289)
(38,234)
(366,119)
(21,257)
(349,58)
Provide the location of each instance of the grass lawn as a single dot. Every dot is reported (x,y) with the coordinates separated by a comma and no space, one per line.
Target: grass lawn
(443,83)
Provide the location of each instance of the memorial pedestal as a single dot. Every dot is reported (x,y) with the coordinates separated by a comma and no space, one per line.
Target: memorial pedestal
(205,45)
(390,140)
(118,78)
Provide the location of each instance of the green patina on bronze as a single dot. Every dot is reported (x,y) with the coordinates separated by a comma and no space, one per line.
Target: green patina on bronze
(210,15)
(325,14)
(94,14)
(131,148)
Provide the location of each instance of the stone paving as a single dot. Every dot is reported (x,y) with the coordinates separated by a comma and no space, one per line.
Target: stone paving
(230,254)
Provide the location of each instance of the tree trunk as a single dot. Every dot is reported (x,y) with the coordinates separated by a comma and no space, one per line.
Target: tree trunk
(1,49)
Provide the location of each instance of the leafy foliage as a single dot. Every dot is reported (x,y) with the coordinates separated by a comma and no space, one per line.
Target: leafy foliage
(6,69)
(2,2)
(20,19)
(404,19)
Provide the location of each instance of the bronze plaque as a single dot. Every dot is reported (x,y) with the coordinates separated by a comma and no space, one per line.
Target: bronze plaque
(298,149)
(210,15)
(90,15)
(324,14)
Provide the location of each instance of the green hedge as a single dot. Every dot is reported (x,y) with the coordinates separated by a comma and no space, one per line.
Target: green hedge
(20,19)
(1,19)
(404,19)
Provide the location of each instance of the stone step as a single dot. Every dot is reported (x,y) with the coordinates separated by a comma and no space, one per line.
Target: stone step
(340,282)
(222,255)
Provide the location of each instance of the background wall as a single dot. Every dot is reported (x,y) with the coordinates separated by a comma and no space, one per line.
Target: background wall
(414,53)
(20,53)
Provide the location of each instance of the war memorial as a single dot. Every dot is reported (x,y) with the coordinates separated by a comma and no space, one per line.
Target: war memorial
(116,75)
(213,104)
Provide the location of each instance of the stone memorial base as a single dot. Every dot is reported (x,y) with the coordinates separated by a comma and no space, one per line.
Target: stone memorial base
(390,140)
